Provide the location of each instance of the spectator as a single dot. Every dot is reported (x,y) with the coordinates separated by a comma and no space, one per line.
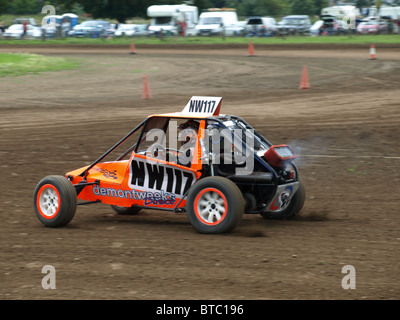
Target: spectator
(65,28)
(183,31)
(25,29)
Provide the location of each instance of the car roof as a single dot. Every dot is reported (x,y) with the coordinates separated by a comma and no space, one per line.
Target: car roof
(297,16)
(181,115)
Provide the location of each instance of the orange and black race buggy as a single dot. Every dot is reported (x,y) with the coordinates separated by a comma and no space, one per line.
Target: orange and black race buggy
(214,167)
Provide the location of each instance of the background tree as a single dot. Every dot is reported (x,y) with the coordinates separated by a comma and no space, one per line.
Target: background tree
(3,6)
(303,7)
(63,5)
(202,4)
(319,5)
(362,3)
(269,7)
(116,9)
(25,6)
(244,8)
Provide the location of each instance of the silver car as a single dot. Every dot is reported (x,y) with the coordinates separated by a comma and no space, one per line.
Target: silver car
(16,31)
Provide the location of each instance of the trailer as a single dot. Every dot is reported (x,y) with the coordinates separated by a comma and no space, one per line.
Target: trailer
(341,12)
(173,19)
(385,12)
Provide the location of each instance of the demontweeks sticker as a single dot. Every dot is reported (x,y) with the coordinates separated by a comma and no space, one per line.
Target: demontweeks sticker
(150,198)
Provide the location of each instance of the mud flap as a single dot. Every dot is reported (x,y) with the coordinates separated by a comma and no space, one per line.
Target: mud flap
(283,195)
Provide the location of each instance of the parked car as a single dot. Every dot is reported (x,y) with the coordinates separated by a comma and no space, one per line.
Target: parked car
(236,29)
(141,30)
(16,31)
(50,32)
(331,25)
(239,28)
(260,26)
(30,21)
(131,30)
(294,24)
(315,29)
(372,27)
(90,28)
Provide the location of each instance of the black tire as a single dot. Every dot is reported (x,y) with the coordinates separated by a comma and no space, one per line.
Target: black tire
(214,205)
(126,210)
(54,201)
(294,208)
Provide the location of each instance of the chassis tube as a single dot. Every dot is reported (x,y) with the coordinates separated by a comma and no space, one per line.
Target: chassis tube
(84,172)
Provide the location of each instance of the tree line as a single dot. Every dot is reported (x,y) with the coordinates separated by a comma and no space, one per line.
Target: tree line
(121,10)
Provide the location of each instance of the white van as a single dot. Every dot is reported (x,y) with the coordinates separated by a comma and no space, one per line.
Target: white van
(385,11)
(166,18)
(217,21)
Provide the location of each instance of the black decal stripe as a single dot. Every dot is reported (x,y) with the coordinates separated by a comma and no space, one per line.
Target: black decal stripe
(178,185)
(213,107)
(138,172)
(170,183)
(189,181)
(156,176)
(191,108)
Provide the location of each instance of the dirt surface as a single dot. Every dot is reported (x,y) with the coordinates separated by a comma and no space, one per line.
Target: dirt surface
(345,130)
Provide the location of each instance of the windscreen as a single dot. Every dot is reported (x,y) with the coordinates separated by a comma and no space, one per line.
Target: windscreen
(293,21)
(254,21)
(242,132)
(210,20)
(162,21)
(90,24)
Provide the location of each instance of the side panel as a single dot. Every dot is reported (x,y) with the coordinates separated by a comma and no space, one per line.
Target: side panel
(149,183)
(157,183)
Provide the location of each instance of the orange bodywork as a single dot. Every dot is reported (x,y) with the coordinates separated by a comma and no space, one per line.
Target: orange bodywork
(139,181)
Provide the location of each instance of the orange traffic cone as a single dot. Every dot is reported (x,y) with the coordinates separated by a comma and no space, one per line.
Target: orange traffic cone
(132,48)
(304,84)
(372,52)
(251,49)
(146,89)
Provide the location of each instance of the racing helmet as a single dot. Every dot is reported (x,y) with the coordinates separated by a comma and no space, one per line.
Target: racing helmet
(190,124)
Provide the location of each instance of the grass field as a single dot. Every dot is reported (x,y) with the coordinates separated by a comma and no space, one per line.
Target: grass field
(23,63)
(354,39)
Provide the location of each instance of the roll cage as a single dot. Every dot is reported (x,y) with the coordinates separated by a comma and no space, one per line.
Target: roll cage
(227,122)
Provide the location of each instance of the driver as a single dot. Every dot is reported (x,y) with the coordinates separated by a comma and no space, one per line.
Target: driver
(188,133)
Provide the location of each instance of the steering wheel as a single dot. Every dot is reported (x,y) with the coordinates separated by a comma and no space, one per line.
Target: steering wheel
(158,151)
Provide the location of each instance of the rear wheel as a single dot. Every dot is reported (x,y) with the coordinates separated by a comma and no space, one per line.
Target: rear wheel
(214,205)
(126,210)
(55,201)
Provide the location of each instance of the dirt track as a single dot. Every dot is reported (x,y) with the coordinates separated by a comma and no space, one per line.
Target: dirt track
(345,130)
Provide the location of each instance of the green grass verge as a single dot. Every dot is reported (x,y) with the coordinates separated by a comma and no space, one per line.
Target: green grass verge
(355,39)
(22,63)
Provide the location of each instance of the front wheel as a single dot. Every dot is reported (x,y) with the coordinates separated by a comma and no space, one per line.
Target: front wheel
(214,205)
(55,201)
